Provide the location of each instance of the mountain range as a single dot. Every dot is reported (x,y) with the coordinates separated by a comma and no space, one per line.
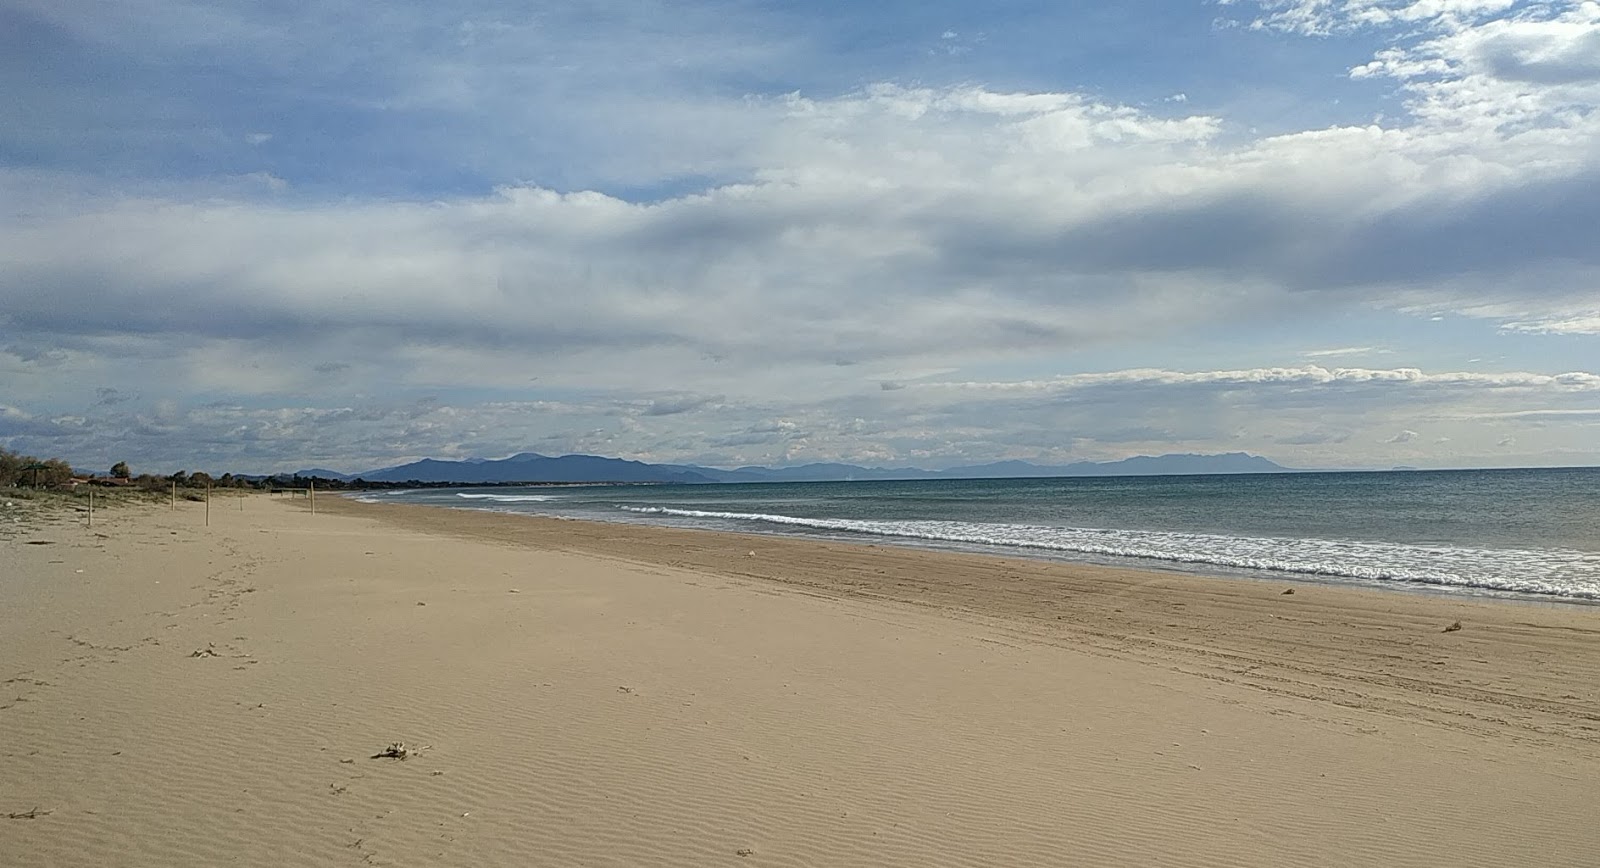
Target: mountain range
(532,467)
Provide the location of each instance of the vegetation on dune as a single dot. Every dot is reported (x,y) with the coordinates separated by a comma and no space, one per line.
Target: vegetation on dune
(27,470)
(28,477)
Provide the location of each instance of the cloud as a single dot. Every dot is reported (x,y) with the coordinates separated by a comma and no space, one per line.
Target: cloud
(675,404)
(108,397)
(1301,417)
(1312,438)
(1311,375)
(1325,17)
(1578,325)
(17,423)
(649,235)
(982,221)
(1344,351)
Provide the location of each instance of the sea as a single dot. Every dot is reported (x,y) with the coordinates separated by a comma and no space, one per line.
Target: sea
(1526,533)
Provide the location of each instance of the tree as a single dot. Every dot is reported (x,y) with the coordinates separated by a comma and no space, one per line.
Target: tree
(18,469)
(120,470)
(11,467)
(54,472)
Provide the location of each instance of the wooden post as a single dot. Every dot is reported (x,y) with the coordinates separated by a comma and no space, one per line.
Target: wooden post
(311,494)
(91,507)
(174,495)
(208,504)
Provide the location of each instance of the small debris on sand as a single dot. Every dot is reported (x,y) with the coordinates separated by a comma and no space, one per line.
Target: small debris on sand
(28,815)
(1287,591)
(208,651)
(1452,628)
(744,851)
(398,750)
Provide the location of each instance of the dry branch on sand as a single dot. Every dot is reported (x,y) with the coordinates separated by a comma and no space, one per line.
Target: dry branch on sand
(398,750)
(28,815)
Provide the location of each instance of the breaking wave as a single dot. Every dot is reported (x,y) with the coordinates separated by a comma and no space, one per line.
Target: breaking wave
(1548,572)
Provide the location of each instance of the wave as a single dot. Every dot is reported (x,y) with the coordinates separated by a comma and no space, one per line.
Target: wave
(510,498)
(379,496)
(1546,572)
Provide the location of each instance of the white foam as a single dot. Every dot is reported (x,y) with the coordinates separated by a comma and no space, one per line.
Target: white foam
(509,498)
(1554,572)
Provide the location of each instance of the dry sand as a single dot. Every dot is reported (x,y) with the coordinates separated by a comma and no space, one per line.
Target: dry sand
(579,694)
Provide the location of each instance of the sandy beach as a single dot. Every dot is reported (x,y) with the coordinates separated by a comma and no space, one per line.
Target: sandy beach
(176,694)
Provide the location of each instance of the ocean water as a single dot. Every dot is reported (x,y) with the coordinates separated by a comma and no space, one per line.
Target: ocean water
(1533,533)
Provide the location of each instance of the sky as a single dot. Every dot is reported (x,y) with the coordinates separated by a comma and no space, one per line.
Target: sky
(258,237)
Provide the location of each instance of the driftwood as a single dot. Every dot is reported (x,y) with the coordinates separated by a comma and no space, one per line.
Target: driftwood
(28,815)
(399,751)
(394,751)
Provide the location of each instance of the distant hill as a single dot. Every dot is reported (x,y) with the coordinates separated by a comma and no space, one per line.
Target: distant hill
(1178,465)
(532,467)
(1143,465)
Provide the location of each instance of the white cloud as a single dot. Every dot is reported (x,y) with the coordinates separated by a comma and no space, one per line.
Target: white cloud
(1578,325)
(1345,351)
(1311,375)
(1324,17)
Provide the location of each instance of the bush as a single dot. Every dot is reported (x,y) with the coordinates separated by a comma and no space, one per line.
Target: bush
(18,469)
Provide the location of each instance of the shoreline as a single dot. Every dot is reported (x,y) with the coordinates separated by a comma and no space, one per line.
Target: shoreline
(1435,580)
(175,693)
(1122,564)
(1382,648)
